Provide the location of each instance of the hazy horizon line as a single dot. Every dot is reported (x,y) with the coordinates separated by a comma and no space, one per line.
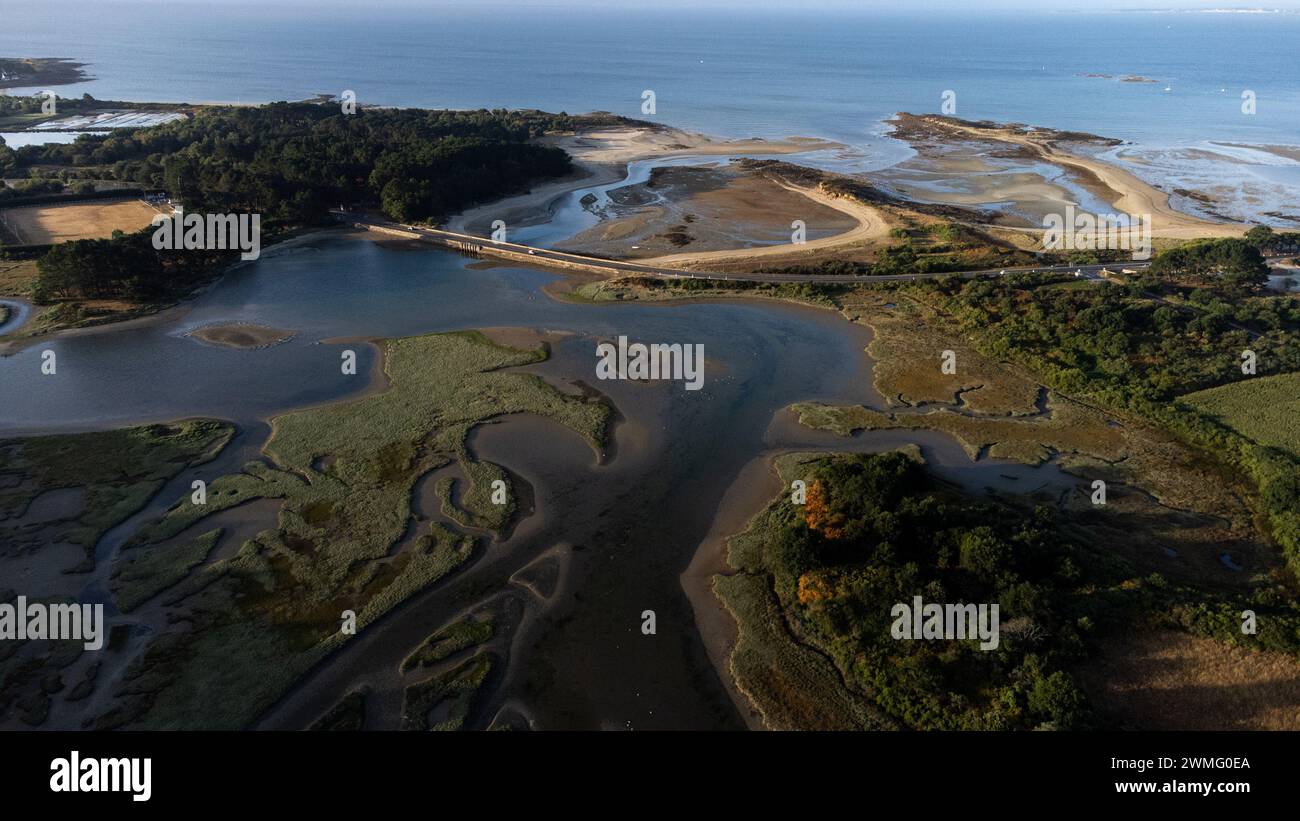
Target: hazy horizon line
(792,6)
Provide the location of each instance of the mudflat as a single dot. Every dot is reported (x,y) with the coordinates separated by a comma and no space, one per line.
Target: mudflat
(245,336)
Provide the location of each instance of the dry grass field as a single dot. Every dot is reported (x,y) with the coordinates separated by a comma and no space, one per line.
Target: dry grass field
(1168,680)
(17,276)
(40,225)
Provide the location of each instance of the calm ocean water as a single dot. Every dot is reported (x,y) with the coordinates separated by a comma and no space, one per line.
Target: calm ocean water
(832,74)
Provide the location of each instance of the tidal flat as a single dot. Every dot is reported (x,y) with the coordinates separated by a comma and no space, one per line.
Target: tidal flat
(589,509)
(353,493)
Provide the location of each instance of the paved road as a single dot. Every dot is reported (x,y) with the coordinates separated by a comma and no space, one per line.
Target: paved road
(542,256)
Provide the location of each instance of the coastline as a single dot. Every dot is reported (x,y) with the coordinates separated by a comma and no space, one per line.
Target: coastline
(45,71)
(1128,192)
(601,156)
(1013,371)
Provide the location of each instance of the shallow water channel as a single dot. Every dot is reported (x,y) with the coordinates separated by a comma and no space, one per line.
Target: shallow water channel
(606,538)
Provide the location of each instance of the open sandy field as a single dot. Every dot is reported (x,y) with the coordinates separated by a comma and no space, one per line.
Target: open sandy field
(623,145)
(41,225)
(871,227)
(702,208)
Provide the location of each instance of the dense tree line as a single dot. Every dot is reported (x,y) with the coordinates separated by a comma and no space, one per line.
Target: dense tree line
(15,112)
(1274,243)
(1233,261)
(1147,339)
(8,160)
(877,530)
(31,188)
(292,162)
(124,267)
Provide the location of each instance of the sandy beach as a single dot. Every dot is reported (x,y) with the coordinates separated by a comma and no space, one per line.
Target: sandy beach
(1128,193)
(601,156)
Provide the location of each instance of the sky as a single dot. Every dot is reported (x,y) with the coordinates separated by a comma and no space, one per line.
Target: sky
(790,5)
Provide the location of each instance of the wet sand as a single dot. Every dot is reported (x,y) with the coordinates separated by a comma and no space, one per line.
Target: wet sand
(1289,152)
(617,537)
(601,156)
(242,335)
(704,208)
(755,486)
(872,227)
(975,174)
(1125,191)
(606,539)
(603,542)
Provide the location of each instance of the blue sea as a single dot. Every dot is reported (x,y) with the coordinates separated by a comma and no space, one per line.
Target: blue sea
(829,73)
